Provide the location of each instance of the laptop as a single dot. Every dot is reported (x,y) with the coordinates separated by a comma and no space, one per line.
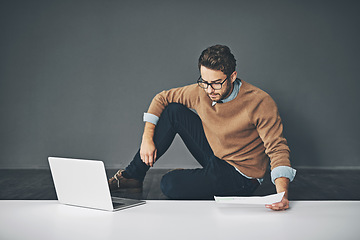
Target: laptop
(83,183)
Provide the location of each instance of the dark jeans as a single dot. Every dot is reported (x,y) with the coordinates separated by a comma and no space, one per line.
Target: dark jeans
(215,178)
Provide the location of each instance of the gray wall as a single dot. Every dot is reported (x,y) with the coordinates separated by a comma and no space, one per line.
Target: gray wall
(76,76)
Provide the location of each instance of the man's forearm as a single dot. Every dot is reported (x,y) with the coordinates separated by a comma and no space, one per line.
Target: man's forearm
(149,131)
(282,185)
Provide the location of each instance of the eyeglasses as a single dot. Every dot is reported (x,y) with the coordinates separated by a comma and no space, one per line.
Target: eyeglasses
(216,86)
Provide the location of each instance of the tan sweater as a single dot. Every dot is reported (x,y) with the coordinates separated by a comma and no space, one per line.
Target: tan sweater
(245,131)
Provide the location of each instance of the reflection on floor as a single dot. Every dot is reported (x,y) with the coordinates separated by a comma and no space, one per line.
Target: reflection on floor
(309,184)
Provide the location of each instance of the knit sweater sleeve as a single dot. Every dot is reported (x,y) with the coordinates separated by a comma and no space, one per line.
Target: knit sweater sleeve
(265,116)
(188,96)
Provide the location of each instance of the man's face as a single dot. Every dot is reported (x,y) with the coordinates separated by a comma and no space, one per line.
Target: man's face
(217,76)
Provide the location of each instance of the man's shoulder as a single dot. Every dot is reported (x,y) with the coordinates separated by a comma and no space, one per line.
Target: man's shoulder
(257,101)
(189,87)
(182,90)
(253,92)
(188,95)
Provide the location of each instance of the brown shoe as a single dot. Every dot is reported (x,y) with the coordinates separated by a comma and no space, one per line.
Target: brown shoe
(119,183)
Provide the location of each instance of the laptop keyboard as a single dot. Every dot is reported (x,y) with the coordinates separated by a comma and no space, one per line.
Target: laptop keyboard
(117,204)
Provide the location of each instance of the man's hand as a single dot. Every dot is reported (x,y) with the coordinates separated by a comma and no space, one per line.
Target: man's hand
(283,205)
(147,148)
(282,185)
(148,152)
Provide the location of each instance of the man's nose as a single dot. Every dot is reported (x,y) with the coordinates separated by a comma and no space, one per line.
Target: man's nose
(210,89)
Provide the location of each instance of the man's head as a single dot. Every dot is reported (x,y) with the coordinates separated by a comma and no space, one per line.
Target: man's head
(217,67)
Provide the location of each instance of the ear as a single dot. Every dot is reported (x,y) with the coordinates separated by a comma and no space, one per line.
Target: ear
(233,76)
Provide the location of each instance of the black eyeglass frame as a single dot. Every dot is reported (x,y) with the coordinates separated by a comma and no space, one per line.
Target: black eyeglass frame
(200,81)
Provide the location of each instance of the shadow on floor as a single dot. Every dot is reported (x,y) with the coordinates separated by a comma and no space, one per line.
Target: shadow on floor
(309,184)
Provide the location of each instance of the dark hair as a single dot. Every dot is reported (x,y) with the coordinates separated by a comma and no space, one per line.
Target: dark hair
(218,57)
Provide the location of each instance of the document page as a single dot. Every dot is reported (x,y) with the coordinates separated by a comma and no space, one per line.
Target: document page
(269,199)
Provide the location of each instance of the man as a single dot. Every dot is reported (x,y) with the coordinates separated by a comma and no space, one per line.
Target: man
(234,133)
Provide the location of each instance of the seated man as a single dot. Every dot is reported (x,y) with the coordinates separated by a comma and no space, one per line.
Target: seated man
(234,133)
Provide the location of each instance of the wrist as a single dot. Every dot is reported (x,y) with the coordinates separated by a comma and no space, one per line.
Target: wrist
(282,185)
(149,130)
(146,138)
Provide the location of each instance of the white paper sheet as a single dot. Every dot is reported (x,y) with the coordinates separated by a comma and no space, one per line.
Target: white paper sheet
(269,199)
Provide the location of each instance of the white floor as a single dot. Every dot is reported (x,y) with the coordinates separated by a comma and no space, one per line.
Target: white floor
(181,220)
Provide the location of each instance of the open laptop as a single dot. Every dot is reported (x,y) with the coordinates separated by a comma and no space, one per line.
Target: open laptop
(83,183)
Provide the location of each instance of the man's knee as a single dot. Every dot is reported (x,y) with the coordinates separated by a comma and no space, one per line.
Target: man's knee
(176,112)
(174,108)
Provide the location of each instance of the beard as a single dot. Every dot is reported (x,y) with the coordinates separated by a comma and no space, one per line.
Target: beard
(215,97)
